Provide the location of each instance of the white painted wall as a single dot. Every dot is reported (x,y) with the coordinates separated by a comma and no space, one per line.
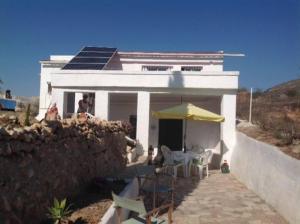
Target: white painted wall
(102,106)
(125,71)
(45,97)
(130,191)
(273,175)
(142,122)
(58,97)
(121,110)
(175,66)
(78,97)
(228,110)
(211,80)
(205,134)
(124,74)
(127,61)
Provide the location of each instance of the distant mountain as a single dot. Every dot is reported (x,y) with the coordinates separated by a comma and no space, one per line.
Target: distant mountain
(284,94)
(284,88)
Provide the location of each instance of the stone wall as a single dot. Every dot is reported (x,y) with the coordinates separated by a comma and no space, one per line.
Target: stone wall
(270,173)
(54,159)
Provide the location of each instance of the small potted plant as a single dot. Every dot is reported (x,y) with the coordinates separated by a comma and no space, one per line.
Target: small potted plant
(225,167)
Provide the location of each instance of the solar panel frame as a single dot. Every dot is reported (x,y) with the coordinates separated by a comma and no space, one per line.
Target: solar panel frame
(81,66)
(99,49)
(94,54)
(91,58)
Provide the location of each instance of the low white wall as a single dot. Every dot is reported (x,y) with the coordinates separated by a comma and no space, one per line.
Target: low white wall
(270,173)
(130,191)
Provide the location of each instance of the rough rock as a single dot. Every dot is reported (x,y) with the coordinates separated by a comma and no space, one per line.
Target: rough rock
(296,149)
(54,159)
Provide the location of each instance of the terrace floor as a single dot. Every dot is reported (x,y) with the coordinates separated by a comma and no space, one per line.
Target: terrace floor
(220,198)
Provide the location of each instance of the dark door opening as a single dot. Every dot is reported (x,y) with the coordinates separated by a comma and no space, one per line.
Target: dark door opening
(170,133)
(132,121)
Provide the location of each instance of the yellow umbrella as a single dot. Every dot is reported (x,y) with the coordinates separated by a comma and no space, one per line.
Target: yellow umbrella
(188,111)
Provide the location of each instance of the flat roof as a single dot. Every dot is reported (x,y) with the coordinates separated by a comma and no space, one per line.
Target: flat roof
(218,54)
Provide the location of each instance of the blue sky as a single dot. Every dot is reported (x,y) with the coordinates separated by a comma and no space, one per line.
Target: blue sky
(267,31)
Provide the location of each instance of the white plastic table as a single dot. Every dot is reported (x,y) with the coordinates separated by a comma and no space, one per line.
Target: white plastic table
(186,157)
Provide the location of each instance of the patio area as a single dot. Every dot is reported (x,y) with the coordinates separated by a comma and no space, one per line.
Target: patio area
(220,198)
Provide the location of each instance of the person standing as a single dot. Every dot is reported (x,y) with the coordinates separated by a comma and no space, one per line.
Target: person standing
(83,104)
(91,101)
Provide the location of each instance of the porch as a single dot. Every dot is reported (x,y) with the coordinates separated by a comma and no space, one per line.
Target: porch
(220,198)
(136,107)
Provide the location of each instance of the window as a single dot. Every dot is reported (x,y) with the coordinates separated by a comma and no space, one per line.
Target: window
(70,102)
(156,68)
(191,68)
(49,88)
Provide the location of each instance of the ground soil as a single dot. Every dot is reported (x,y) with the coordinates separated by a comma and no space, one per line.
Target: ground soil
(92,203)
(257,133)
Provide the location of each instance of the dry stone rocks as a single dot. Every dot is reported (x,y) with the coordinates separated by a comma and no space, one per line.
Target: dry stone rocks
(54,159)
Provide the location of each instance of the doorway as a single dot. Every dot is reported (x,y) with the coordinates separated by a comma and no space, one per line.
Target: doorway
(170,133)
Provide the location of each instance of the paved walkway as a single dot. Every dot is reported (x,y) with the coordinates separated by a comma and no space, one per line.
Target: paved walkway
(220,198)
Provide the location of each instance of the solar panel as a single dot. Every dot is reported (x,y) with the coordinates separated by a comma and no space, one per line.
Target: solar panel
(94,54)
(91,58)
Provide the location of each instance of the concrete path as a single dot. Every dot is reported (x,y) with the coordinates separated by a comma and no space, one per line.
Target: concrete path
(220,198)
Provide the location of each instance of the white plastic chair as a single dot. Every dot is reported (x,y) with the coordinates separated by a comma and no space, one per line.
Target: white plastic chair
(201,163)
(169,160)
(197,149)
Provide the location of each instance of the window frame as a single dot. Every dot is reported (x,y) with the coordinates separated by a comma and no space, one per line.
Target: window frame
(191,68)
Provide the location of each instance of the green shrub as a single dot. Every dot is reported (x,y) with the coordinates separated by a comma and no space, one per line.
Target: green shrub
(257,93)
(291,93)
(59,211)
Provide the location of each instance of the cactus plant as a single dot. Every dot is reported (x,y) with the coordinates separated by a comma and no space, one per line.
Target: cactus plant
(59,211)
(27,122)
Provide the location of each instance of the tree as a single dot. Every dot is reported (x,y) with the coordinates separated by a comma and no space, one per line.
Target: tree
(243,89)
(257,93)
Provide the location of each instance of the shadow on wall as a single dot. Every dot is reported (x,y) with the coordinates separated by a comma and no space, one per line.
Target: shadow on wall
(114,63)
(176,80)
(217,159)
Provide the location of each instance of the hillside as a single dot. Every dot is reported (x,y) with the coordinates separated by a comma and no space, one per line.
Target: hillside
(276,114)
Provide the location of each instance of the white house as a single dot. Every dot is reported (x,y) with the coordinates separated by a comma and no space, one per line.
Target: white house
(129,85)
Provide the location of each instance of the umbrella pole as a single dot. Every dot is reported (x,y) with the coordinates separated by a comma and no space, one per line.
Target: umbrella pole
(184,136)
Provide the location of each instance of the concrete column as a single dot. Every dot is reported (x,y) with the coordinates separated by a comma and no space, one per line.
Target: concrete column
(142,129)
(102,104)
(58,97)
(228,136)
(78,96)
